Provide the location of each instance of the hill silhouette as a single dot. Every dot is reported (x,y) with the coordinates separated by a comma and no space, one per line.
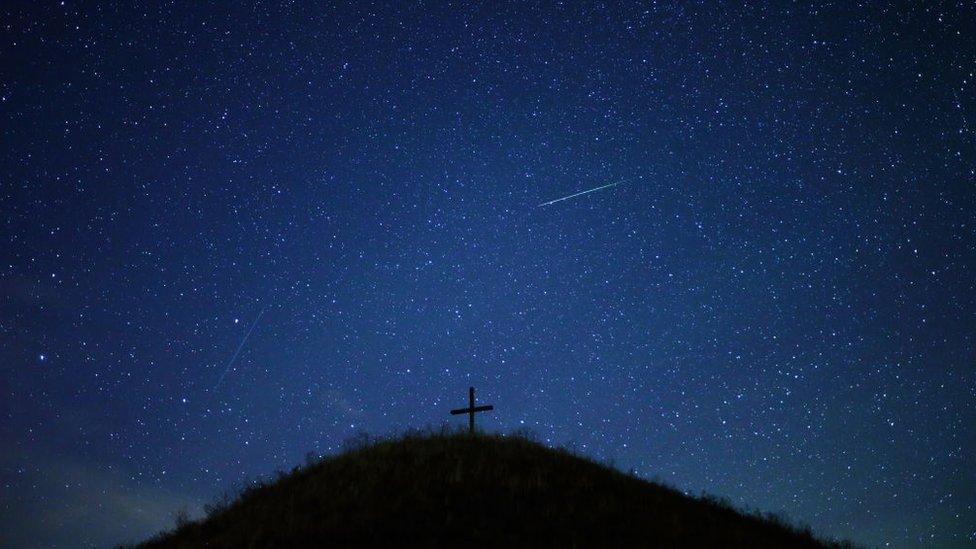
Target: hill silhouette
(445,489)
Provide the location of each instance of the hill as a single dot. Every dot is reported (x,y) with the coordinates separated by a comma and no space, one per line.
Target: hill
(449,489)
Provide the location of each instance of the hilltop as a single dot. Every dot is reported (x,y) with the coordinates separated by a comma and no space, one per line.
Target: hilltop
(449,489)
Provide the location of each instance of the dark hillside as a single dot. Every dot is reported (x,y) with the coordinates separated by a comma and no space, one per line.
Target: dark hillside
(447,490)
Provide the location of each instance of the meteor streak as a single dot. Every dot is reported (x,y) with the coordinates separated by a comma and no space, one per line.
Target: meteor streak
(239,347)
(608,185)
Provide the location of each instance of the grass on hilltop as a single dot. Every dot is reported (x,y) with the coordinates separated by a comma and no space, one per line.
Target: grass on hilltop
(446,489)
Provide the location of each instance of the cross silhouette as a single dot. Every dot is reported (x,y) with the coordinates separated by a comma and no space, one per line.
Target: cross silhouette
(471,409)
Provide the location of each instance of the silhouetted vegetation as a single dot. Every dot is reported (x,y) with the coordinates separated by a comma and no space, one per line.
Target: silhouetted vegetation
(445,489)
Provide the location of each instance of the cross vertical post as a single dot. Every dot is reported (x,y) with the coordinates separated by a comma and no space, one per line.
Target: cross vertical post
(471,407)
(471,410)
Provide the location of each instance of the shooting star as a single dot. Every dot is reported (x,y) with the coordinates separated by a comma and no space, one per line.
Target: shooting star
(239,347)
(607,186)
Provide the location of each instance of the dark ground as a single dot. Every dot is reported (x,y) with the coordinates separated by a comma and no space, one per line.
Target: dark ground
(452,489)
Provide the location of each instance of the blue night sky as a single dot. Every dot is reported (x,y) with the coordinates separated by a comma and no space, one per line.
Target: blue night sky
(233,234)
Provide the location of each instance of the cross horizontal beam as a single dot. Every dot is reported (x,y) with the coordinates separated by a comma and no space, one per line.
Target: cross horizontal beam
(470,410)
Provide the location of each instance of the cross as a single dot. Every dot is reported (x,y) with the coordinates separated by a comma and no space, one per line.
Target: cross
(471,409)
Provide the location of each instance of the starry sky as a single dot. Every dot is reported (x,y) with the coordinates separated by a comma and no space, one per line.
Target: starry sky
(236,233)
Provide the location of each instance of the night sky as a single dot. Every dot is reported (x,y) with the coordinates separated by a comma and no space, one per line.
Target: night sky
(233,234)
